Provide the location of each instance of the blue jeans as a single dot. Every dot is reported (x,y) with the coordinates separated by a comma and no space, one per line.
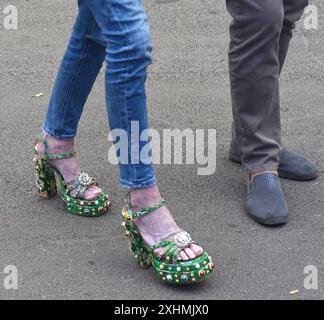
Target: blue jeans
(115,31)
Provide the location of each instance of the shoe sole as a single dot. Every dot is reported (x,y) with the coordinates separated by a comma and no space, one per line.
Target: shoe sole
(275,222)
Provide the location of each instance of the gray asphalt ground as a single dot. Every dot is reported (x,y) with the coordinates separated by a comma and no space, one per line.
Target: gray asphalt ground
(60,256)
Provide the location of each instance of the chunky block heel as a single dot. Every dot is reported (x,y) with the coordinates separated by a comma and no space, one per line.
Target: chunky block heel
(47,178)
(167,266)
(138,249)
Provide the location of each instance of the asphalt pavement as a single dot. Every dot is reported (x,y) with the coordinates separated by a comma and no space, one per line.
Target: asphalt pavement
(60,256)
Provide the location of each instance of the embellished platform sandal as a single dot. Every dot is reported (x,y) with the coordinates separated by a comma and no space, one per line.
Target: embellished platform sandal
(167,266)
(47,178)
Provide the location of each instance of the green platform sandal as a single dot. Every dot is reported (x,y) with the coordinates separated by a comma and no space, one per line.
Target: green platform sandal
(166,265)
(48,176)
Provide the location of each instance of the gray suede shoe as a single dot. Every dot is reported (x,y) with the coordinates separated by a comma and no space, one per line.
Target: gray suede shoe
(292,165)
(265,201)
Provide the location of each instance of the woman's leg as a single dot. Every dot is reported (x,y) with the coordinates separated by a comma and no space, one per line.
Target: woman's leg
(79,69)
(124,24)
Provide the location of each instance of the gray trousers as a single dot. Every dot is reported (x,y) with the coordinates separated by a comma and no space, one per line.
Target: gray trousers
(260,34)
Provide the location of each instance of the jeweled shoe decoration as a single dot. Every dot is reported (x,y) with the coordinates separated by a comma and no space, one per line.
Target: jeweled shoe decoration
(167,265)
(46,183)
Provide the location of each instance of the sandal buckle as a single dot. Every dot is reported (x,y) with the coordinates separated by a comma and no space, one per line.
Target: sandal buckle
(127,214)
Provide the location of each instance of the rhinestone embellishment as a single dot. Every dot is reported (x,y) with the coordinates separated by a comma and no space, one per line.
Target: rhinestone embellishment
(182,239)
(84,179)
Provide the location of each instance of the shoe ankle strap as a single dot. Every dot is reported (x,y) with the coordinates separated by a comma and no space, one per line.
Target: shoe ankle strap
(149,209)
(53,156)
(130,215)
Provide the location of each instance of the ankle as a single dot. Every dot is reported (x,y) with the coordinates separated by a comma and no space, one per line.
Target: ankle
(141,198)
(254,175)
(57,146)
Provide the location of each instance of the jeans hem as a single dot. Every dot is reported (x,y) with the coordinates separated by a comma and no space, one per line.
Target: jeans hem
(138,185)
(58,137)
